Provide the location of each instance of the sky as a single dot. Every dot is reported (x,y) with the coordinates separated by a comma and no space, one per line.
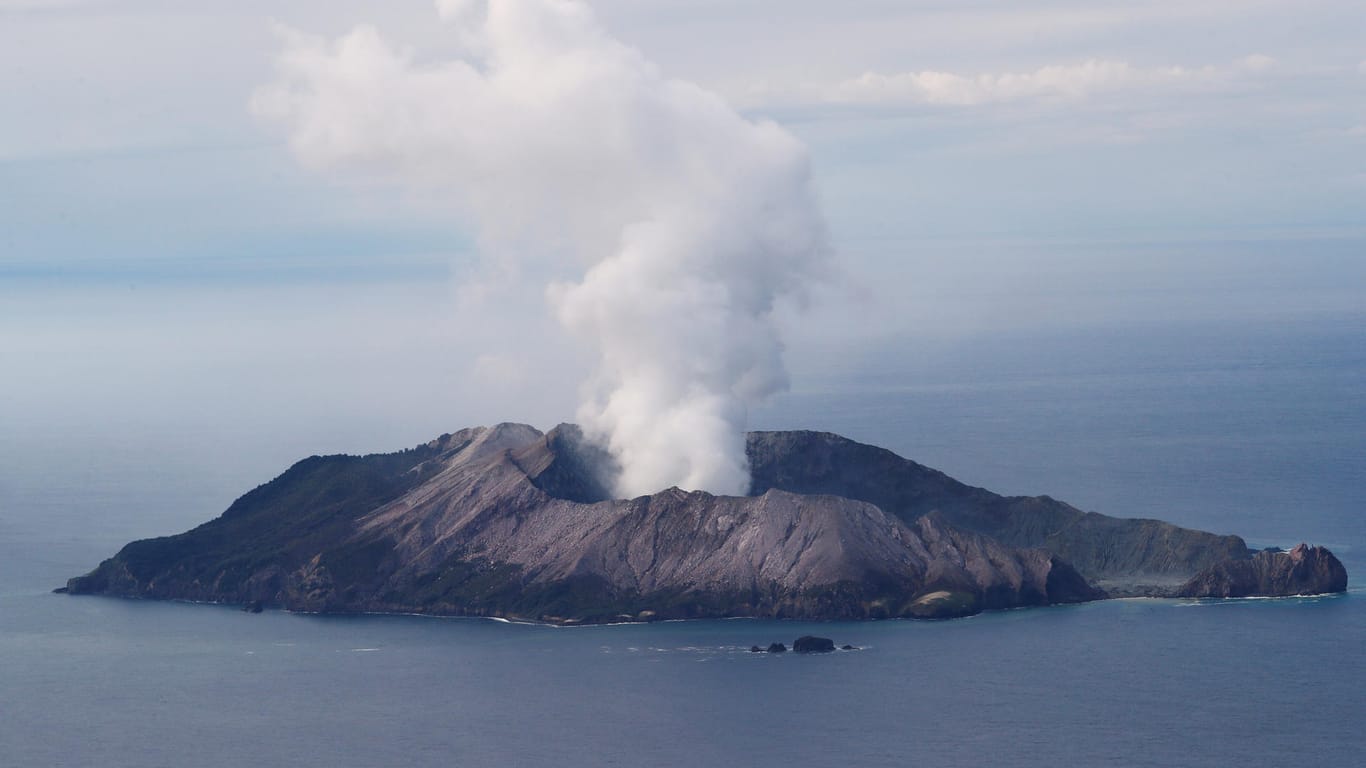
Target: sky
(981,166)
(127,139)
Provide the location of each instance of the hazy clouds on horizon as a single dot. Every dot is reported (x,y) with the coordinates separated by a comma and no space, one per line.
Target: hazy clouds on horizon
(1063,119)
(983,167)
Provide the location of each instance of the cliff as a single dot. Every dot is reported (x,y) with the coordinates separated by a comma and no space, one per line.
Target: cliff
(507,521)
(1304,570)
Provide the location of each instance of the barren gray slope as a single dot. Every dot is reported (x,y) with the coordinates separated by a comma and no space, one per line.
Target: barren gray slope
(1119,554)
(507,521)
(483,506)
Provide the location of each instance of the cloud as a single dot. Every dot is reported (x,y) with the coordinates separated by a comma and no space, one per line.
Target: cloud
(567,149)
(1256,63)
(1051,83)
(40,5)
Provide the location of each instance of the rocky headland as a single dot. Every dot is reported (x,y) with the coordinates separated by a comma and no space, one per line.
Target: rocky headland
(507,521)
(1304,570)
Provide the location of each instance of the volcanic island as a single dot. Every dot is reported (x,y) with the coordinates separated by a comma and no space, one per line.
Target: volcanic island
(510,522)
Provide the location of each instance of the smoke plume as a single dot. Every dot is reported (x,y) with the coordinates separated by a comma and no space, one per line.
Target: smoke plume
(684,222)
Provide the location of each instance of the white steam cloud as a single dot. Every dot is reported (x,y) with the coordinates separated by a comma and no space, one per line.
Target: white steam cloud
(690,221)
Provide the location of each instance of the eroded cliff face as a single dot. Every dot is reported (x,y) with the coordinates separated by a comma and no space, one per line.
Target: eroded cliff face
(1304,570)
(507,521)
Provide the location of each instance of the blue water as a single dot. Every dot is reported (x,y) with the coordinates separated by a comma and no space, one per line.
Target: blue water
(1255,430)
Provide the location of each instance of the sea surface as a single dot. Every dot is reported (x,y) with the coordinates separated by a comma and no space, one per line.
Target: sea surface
(1255,429)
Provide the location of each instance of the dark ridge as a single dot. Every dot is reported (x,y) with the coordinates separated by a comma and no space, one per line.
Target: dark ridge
(272,527)
(1103,549)
(802,461)
(568,466)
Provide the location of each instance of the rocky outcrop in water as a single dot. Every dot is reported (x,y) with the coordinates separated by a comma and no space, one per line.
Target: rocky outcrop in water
(508,521)
(813,644)
(1304,570)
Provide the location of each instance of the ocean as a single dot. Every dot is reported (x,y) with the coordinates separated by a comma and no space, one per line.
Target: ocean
(1250,428)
